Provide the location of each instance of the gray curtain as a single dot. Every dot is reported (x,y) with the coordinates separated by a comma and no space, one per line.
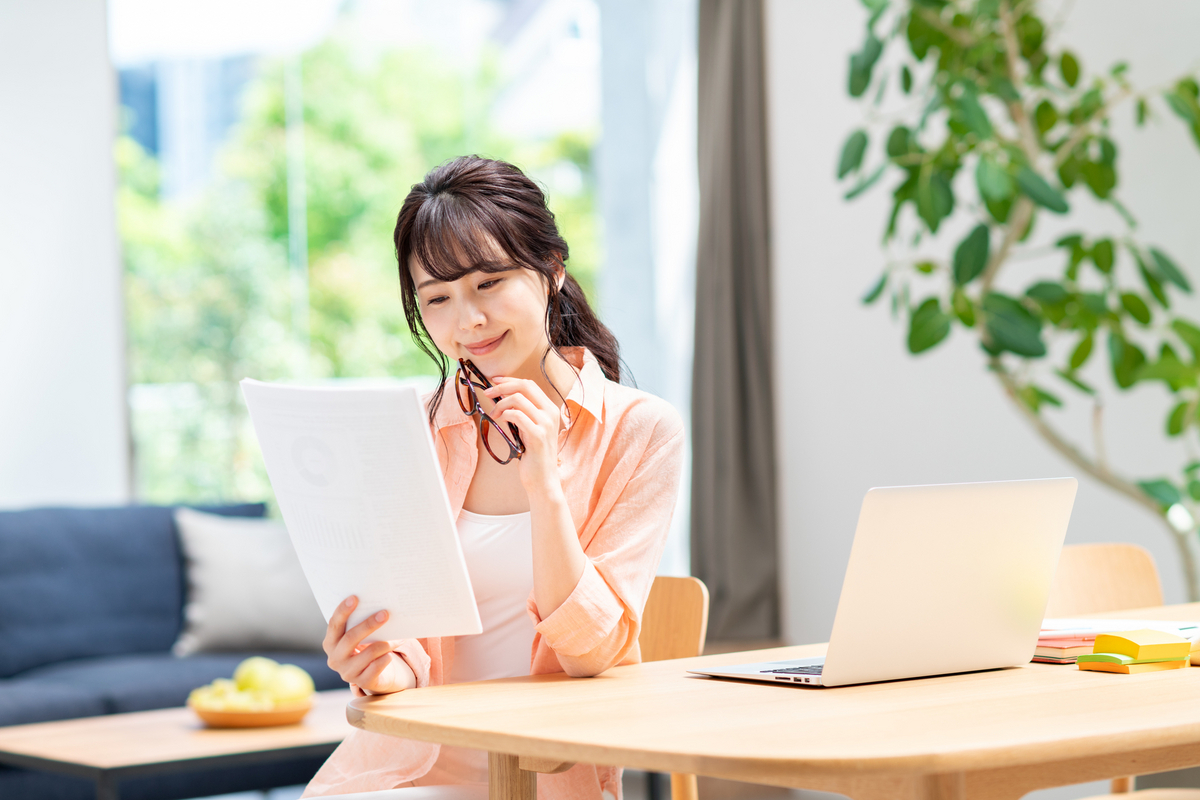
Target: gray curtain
(734,542)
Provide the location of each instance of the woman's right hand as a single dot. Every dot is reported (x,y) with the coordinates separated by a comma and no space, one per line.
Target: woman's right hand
(373,667)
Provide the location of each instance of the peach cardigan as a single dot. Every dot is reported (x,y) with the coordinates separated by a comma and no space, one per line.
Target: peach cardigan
(620,458)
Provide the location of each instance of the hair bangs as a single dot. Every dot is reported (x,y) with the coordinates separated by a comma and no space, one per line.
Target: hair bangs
(452,237)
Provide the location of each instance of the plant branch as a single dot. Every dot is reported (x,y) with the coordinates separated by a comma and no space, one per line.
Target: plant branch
(1018,222)
(1067,449)
(957,34)
(1084,129)
(1016,108)
(1098,434)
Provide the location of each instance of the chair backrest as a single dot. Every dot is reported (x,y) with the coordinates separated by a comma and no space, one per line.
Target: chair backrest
(675,621)
(1093,578)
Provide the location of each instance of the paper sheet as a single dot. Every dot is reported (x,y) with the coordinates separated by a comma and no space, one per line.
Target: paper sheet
(361,493)
(1088,628)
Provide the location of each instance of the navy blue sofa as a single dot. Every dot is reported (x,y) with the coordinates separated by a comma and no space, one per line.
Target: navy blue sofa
(91,601)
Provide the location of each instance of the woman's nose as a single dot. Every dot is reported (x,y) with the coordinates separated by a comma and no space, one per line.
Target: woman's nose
(470,317)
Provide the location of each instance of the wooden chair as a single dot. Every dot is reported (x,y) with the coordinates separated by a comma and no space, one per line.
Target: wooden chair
(1094,578)
(674,625)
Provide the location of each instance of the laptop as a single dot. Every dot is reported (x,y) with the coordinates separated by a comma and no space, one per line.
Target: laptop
(941,579)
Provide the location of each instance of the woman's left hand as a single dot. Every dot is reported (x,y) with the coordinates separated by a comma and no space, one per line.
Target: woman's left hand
(535,415)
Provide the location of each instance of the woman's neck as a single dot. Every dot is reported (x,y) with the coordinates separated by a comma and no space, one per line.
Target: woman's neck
(561,376)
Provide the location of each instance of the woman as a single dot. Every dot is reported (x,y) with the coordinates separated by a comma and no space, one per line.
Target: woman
(563,480)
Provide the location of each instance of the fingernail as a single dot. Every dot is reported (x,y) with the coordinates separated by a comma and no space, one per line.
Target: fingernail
(381,616)
(349,601)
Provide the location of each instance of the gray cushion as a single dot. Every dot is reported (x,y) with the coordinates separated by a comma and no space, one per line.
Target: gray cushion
(80,582)
(156,680)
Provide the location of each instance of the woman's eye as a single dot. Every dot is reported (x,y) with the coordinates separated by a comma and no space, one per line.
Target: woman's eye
(435,301)
(490,284)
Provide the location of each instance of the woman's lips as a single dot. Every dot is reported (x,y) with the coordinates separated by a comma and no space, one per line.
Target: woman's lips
(483,348)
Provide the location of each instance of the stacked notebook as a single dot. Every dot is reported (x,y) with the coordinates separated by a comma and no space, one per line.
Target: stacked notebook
(1137,651)
(1063,640)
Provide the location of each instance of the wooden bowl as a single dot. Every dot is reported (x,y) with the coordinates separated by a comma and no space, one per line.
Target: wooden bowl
(288,714)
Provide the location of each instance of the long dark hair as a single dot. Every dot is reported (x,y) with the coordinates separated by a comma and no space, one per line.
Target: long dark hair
(447,221)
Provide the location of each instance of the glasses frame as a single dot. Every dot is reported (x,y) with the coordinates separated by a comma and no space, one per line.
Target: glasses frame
(466,376)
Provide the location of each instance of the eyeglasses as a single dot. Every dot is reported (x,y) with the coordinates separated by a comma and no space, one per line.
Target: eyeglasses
(494,438)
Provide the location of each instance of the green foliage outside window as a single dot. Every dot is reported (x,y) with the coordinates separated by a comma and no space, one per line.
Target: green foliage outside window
(207,277)
(990,95)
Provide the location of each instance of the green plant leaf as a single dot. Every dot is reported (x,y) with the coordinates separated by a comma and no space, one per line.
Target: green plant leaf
(994,182)
(899,142)
(1142,112)
(1040,192)
(1045,116)
(1152,282)
(906,79)
(1189,334)
(1183,102)
(873,293)
(1108,151)
(1136,307)
(1095,303)
(971,255)
(865,183)
(935,201)
(1162,492)
(1193,489)
(1169,270)
(1035,397)
(964,309)
(1048,293)
(1075,381)
(852,153)
(1003,87)
(1103,255)
(1126,359)
(1011,326)
(861,64)
(928,325)
(1101,178)
(1177,419)
(1172,371)
(1068,67)
(973,113)
(1082,351)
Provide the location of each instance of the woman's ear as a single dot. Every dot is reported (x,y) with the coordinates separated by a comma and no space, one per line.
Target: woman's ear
(560,272)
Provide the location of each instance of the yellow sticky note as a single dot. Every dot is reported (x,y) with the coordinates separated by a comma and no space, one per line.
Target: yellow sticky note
(1143,644)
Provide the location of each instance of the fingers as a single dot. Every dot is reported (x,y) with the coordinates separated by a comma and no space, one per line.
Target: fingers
(337,623)
(355,668)
(520,402)
(343,650)
(519,387)
(350,641)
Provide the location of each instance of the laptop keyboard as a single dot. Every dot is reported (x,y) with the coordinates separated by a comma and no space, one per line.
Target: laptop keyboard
(808,669)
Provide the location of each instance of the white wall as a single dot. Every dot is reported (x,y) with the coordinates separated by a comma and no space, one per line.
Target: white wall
(62,366)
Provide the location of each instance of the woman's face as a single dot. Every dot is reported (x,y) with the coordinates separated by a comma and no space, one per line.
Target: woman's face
(495,319)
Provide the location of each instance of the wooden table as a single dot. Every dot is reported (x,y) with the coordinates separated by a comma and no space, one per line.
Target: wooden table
(992,735)
(111,748)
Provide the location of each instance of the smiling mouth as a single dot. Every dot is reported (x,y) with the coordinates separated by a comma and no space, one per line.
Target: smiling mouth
(483,348)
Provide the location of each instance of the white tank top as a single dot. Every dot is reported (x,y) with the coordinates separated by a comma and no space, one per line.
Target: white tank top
(499,555)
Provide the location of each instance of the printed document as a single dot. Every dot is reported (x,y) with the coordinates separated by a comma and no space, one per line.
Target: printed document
(361,493)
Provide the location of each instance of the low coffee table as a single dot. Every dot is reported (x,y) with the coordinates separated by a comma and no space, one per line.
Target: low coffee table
(113,747)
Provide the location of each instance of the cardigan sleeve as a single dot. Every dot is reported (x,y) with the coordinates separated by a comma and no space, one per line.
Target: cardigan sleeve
(597,626)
